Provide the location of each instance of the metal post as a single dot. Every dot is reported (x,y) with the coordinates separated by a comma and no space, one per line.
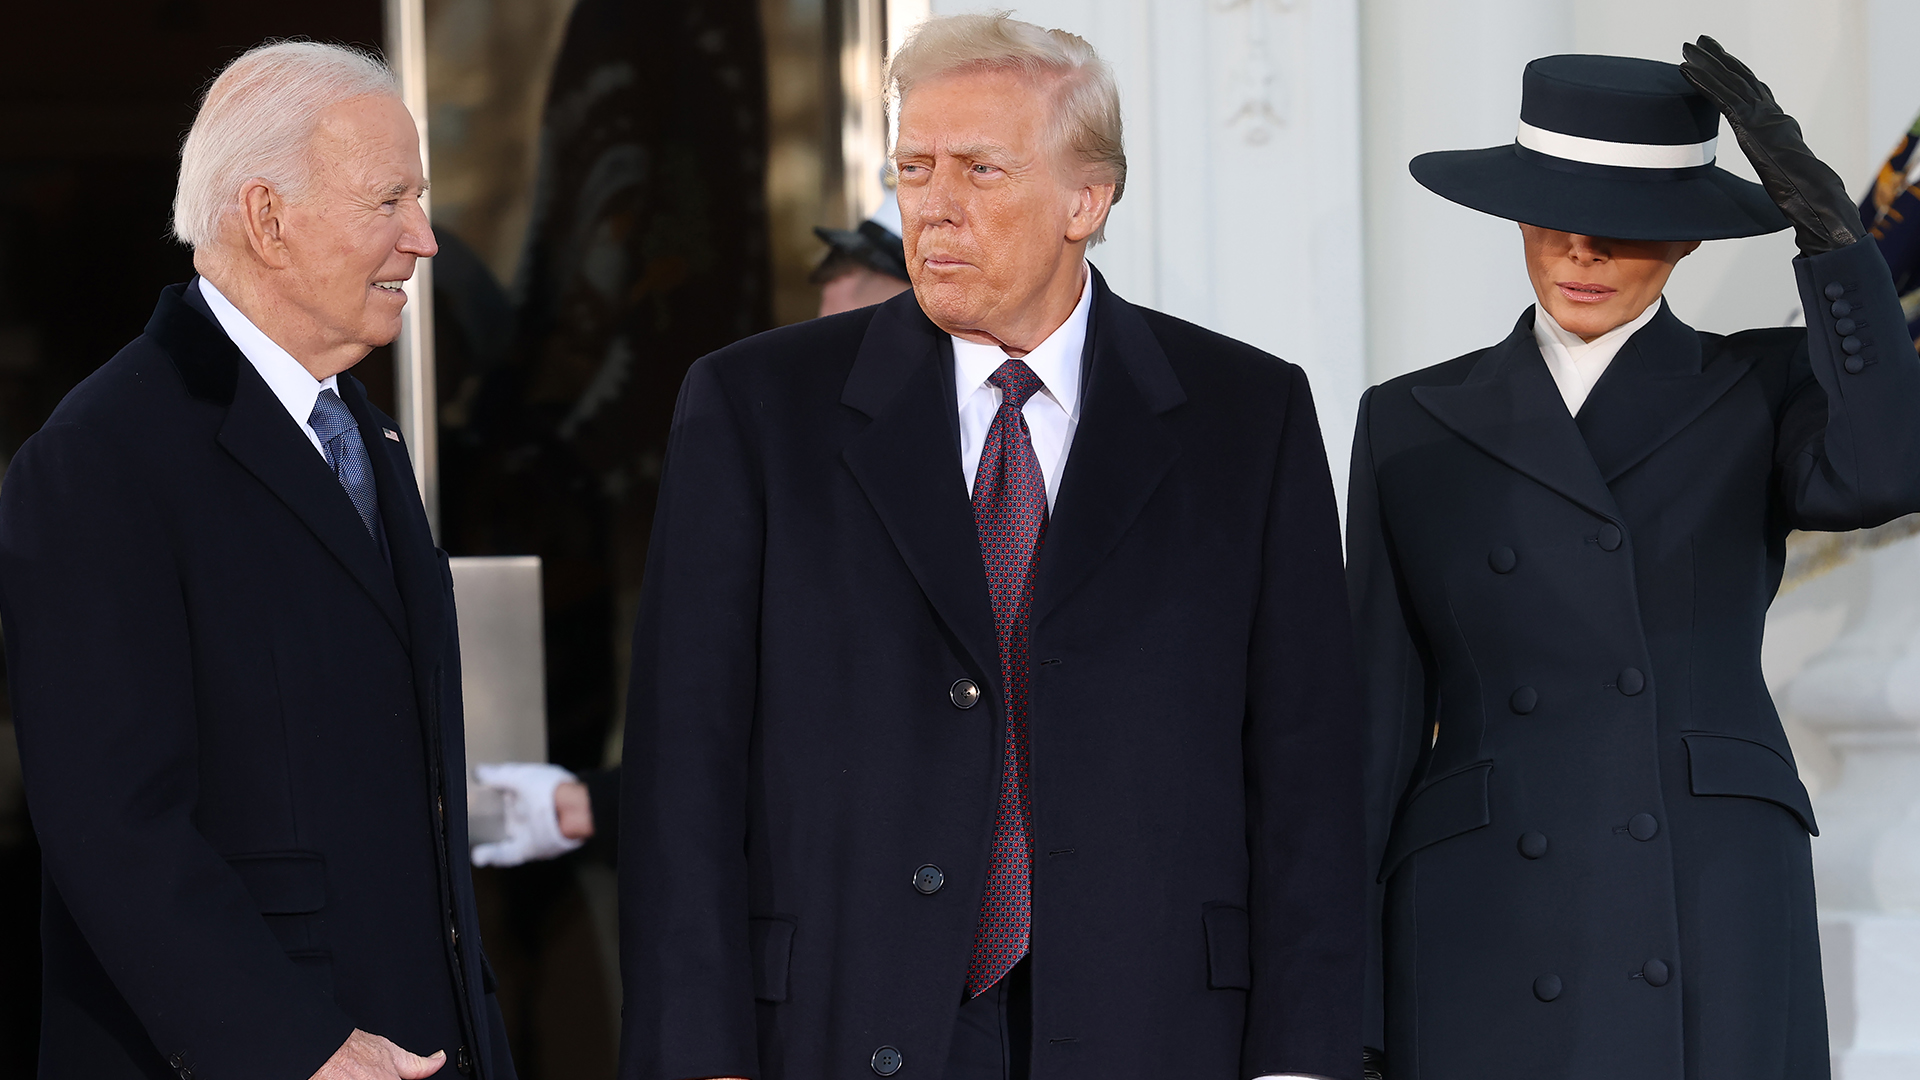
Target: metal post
(863,131)
(413,378)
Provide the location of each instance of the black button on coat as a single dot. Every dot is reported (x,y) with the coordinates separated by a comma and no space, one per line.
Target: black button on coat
(813,584)
(1654,758)
(237,720)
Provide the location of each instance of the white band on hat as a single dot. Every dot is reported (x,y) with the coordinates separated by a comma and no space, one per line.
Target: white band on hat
(1619,154)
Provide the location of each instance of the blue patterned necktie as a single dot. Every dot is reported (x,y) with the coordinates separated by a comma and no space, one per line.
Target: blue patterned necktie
(339,434)
(1010,515)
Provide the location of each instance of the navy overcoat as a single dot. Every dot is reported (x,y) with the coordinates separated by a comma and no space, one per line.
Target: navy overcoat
(240,728)
(794,755)
(1591,834)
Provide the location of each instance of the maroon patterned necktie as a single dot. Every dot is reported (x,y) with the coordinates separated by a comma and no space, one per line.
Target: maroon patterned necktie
(1010,514)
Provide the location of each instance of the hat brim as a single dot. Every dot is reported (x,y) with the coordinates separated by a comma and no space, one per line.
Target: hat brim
(1711,205)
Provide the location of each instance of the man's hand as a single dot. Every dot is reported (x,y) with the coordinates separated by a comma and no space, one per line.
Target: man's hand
(370,1057)
(573,808)
(1811,194)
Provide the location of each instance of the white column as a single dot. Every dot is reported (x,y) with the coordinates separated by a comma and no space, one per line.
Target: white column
(1242,209)
(1443,280)
(1863,694)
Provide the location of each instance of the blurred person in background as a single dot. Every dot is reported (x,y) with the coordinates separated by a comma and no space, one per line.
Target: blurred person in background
(1892,215)
(1590,840)
(231,641)
(865,265)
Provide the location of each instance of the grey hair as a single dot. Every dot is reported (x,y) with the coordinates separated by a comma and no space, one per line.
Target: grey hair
(257,121)
(1086,98)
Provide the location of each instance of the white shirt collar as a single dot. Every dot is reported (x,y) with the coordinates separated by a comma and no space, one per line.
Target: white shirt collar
(293,384)
(1056,360)
(1577,365)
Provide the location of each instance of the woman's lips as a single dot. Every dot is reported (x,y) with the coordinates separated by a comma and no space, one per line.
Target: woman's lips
(1581,292)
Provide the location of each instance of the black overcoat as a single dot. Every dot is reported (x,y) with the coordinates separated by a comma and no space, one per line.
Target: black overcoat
(240,729)
(793,756)
(1601,869)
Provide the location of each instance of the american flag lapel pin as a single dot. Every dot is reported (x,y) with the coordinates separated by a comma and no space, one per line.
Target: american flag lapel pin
(390,433)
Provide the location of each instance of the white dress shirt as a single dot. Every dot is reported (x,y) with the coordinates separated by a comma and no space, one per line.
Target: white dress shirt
(1577,365)
(1052,413)
(294,385)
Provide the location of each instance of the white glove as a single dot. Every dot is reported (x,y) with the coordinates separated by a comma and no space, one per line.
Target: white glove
(532,823)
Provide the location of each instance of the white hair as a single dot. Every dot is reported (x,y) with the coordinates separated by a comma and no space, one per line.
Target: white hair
(1086,99)
(257,122)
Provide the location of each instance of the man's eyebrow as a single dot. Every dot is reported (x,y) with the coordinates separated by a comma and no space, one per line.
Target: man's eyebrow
(965,150)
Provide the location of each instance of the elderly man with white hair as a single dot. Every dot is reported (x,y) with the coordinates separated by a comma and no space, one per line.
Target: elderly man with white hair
(993,711)
(230,639)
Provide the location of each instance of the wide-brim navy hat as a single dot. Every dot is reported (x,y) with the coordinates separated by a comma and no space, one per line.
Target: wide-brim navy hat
(1609,146)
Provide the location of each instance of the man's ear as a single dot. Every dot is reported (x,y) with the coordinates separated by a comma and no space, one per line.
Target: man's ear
(263,217)
(1090,207)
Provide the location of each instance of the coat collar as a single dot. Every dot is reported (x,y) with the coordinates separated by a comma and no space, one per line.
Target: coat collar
(1654,388)
(907,461)
(1509,407)
(261,436)
(415,558)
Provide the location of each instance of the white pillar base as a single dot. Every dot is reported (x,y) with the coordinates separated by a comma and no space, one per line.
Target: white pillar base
(1872,967)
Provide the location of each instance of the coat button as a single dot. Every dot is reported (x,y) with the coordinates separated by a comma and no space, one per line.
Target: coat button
(964,693)
(1546,987)
(1632,682)
(1524,700)
(1845,327)
(886,1061)
(928,879)
(1656,972)
(1609,537)
(1835,290)
(1533,844)
(1643,827)
(178,1061)
(1842,309)
(1852,345)
(462,1062)
(1502,560)
(1854,365)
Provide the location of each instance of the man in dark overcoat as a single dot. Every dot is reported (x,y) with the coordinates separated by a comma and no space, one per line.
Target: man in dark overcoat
(1591,836)
(231,641)
(1059,779)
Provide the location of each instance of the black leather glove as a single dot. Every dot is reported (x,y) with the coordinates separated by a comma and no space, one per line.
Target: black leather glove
(1812,195)
(1373,1064)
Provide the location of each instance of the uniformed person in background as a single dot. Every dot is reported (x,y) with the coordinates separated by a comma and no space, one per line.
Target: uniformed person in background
(864,265)
(1589,837)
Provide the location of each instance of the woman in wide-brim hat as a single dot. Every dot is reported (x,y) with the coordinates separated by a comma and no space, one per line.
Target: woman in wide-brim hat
(1590,841)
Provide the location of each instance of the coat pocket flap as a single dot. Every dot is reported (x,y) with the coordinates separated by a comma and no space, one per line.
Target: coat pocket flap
(283,882)
(771,942)
(1725,765)
(1229,947)
(1454,804)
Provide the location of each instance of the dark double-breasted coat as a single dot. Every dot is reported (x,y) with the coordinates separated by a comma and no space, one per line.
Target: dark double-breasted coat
(808,801)
(1599,868)
(240,729)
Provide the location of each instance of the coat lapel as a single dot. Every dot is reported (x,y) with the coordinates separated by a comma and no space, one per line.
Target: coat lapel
(1652,390)
(416,562)
(907,464)
(265,440)
(1121,450)
(1509,407)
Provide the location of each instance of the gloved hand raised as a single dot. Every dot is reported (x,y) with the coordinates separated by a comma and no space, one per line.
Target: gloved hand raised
(1812,195)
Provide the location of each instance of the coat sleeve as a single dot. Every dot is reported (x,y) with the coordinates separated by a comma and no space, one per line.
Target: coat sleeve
(1302,747)
(1849,437)
(1393,675)
(683,806)
(102,671)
